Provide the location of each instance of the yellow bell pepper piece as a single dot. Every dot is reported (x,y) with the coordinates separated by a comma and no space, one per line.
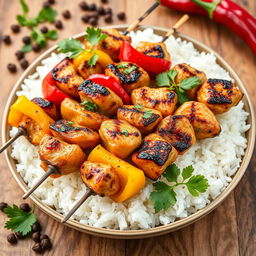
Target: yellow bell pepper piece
(132,179)
(103,58)
(23,106)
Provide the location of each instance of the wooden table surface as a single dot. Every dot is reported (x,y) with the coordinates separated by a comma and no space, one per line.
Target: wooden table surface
(229,230)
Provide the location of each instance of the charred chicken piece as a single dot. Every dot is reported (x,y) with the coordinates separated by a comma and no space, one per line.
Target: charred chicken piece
(66,77)
(75,134)
(145,119)
(157,50)
(85,70)
(154,155)
(185,71)
(105,99)
(49,108)
(129,75)
(219,95)
(202,119)
(178,131)
(101,178)
(119,137)
(73,111)
(161,99)
(66,157)
(111,45)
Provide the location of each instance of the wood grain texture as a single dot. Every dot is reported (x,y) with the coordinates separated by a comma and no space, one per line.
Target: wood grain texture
(229,230)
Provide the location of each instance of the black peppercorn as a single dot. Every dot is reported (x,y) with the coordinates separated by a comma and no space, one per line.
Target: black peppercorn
(19,235)
(104,1)
(51,1)
(108,19)
(15,28)
(46,244)
(12,68)
(11,238)
(36,227)
(37,248)
(108,11)
(44,237)
(19,55)
(36,48)
(25,207)
(85,18)
(94,21)
(26,40)
(92,7)
(6,39)
(24,63)
(121,16)
(44,29)
(101,11)
(3,205)
(66,14)
(58,24)
(36,236)
(84,6)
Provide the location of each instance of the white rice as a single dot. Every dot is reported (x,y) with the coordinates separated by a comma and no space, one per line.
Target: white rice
(217,158)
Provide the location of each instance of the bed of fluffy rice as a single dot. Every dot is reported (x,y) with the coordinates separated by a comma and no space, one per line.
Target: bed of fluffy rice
(217,158)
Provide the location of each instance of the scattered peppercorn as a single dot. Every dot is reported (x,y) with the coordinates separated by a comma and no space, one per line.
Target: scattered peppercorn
(66,14)
(58,24)
(92,7)
(108,19)
(11,238)
(44,29)
(15,28)
(24,63)
(19,235)
(19,55)
(101,11)
(44,237)
(6,39)
(51,1)
(36,236)
(94,21)
(46,4)
(84,6)
(25,207)
(36,227)
(85,18)
(26,40)
(46,244)
(12,67)
(3,205)
(36,48)
(109,11)
(37,248)
(104,1)
(121,16)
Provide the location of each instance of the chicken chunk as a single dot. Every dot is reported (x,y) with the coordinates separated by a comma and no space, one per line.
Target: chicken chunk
(75,134)
(85,70)
(157,50)
(154,155)
(185,71)
(119,137)
(178,131)
(73,111)
(67,158)
(101,178)
(219,95)
(145,119)
(49,108)
(129,75)
(202,119)
(66,77)
(105,99)
(161,99)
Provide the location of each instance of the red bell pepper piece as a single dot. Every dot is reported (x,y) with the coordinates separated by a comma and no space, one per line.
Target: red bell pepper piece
(112,84)
(51,92)
(151,64)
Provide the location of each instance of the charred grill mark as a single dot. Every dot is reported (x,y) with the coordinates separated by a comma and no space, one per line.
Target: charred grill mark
(66,62)
(225,83)
(156,48)
(218,99)
(93,89)
(42,102)
(157,151)
(114,134)
(62,126)
(186,70)
(119,38)
(130,78)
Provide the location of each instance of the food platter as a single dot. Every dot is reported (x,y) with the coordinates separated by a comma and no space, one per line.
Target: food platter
(132,234)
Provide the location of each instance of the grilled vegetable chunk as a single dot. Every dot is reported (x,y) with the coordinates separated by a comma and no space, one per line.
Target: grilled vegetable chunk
(219,95)
(107,101)
(74,112)
(178,131)
(161,99)
(101,178)
(202,119)
(119,137)
(129,75)
(84,69)
(66,157)
(185,71)
(154,155)
(75,134)
(66,77)
(145,119)
(157,50)
(48,107)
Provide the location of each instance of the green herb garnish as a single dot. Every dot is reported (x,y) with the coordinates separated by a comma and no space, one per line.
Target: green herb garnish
(91,106)
(19,221)
(147,114)
(138,106)
(69,123)
(164,195)
(125,132)
(70,45)
(93,60)
(26,48)
(94,35)
(129,70)
(123,65)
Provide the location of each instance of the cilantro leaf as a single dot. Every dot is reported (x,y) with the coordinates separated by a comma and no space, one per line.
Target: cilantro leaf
(26,48)
(197,184)
(172,74)
(19,221)
(69,123)
(125,132)
(182,97)
(187,172)
(123,65)
(171,173)
(92,61)
(25,21)
(189,83)
(138,106)
(52,34)
(46,14)
(147,114)
(24,7)
(127,71)
(163,79)
(94,35)
(38,37)
(91,106)
(70,45)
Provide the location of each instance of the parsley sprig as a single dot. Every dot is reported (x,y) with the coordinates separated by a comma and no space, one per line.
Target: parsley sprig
(19,221)
(91,106)
(75,47)
(164,195)
(168,79)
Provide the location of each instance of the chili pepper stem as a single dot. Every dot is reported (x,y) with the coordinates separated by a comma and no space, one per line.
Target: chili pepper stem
(77,205)
(208,6)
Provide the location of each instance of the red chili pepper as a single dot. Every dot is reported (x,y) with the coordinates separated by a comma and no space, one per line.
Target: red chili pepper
(112,84)
(151,64)
(51,92)
(225,12)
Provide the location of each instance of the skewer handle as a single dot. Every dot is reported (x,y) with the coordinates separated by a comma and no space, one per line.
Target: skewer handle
(180,22)
(21,131)
(78,204)
(140,19)
(51,170)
